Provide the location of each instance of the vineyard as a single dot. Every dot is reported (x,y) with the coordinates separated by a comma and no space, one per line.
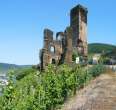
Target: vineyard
(30,89)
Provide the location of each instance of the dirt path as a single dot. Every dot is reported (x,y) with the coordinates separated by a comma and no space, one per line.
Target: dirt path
(100,94)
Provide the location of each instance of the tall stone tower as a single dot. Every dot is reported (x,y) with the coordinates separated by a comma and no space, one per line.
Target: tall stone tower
(78,22)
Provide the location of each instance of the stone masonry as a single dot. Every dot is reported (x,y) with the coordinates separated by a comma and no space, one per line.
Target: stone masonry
(74,38)
(78,22)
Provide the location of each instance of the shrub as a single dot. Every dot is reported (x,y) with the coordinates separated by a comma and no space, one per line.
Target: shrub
(47,90)
(96,70)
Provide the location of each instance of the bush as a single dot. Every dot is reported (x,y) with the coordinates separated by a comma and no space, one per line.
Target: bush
(45,91)
(96,70)
(21,73)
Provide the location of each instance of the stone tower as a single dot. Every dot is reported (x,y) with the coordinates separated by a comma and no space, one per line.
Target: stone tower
(59,50)
(78,22)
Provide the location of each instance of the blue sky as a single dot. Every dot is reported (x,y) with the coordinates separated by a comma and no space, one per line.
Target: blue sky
(22,23)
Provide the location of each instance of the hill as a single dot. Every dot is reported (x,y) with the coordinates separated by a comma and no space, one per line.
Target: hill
(100,47)
(5,67)
(111,54)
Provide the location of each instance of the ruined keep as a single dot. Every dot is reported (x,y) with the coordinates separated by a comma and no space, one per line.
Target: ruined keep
(74,38)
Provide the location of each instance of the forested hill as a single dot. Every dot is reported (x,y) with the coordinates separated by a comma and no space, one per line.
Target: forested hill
(100,47)
(111,54)
(4,67)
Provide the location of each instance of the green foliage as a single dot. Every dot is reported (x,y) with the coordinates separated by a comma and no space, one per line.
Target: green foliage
(100,48)
(108,56)
(96,70)
(111,54)
(21,73)
(74,55)
(104,60)
(46,90)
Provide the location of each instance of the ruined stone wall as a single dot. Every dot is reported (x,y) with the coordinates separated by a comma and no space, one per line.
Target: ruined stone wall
(60,50)
(52,50)
(45,58)
(74,23)
(78,22)
(69,49)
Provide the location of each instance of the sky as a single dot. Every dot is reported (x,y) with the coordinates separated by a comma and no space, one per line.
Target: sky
(22,23)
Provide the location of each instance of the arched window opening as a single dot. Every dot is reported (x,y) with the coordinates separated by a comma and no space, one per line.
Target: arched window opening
(52,49)
(59,37)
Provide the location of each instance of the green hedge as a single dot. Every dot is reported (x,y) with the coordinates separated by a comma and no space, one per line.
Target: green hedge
(46,90)
(96,70)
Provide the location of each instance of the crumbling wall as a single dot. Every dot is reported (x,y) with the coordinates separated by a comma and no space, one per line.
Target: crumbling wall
(69,48)
(78,22)
(60,50)
(52,50)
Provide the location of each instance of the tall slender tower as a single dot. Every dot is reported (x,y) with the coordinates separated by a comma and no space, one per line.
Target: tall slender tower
(78,22)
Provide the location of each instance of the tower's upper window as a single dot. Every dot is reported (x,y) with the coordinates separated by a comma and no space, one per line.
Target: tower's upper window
(52,49)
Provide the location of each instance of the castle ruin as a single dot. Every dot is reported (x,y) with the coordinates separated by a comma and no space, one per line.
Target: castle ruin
(74,38)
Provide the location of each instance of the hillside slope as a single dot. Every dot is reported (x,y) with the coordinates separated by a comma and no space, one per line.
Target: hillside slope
(98,95)
(100,47)
(111,54)
(4,67)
